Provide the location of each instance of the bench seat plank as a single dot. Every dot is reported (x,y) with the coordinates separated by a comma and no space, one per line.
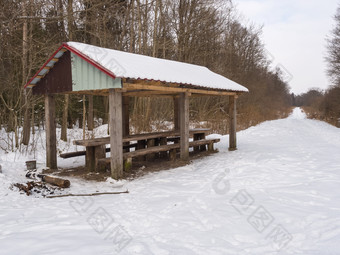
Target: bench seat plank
(160,148)
(83,153)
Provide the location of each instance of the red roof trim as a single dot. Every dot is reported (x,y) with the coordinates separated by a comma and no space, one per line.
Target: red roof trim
(28,83)
(78,53)
(89,60)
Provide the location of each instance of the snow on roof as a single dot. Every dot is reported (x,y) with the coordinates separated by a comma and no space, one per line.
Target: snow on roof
(135,66)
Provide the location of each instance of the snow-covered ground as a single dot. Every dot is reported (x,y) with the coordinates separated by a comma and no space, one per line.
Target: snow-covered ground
(279,192)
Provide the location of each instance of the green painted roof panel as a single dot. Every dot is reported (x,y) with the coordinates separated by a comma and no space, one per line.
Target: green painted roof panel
(87,77)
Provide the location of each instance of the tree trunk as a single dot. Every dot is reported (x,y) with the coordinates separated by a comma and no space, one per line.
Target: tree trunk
(32,119)
(63,135)
(84,116)
(27,124)
(90,122)
(67,99)
(154,39)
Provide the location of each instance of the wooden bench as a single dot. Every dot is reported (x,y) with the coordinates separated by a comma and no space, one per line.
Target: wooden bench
(95,148)
(83,153)
(172,148)
(199,132)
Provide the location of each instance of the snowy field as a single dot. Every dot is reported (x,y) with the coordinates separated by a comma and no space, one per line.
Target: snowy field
(277,194)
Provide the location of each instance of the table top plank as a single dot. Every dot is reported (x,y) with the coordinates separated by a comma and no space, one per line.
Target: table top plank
(136,137)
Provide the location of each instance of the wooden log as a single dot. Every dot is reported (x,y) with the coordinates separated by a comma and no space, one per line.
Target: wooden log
(73,154)
(116,134)
(232,123)
(55,181)
(184,125)
(51,136)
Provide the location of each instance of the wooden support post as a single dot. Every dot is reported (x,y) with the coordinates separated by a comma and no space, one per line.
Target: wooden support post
(90,158)
(116,133)
(172,154)
(127,164)
(232,123)
(126,116)
(163,141)
(126,120)
(51,137)
(197,137)
(176,113)
(176,140)
(150,143)
(157,143)
(141,145)
(184,125)
(99,153)
(90,117)
(93,154)
(202,147)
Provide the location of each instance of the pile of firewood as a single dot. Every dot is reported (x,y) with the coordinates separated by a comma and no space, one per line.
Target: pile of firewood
(36,188)
(41,184)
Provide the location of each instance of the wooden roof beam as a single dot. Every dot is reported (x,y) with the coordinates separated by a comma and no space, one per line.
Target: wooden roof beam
(148,93)
(170,89)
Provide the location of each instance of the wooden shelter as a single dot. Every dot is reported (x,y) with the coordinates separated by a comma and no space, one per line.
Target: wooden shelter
(86,69)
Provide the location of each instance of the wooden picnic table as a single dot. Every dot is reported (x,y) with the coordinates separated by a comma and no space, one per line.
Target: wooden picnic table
(96,148)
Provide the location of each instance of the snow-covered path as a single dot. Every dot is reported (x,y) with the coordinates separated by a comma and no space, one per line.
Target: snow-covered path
(278,192)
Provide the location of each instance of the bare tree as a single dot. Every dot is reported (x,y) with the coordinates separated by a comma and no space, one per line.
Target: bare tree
(333,55)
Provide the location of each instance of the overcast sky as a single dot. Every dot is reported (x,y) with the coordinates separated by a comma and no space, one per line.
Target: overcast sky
(294,33)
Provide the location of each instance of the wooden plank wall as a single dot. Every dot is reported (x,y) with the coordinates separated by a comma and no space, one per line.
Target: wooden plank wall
(58,79)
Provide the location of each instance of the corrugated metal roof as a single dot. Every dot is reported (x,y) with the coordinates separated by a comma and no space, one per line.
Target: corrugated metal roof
(119,64)
(135,66)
